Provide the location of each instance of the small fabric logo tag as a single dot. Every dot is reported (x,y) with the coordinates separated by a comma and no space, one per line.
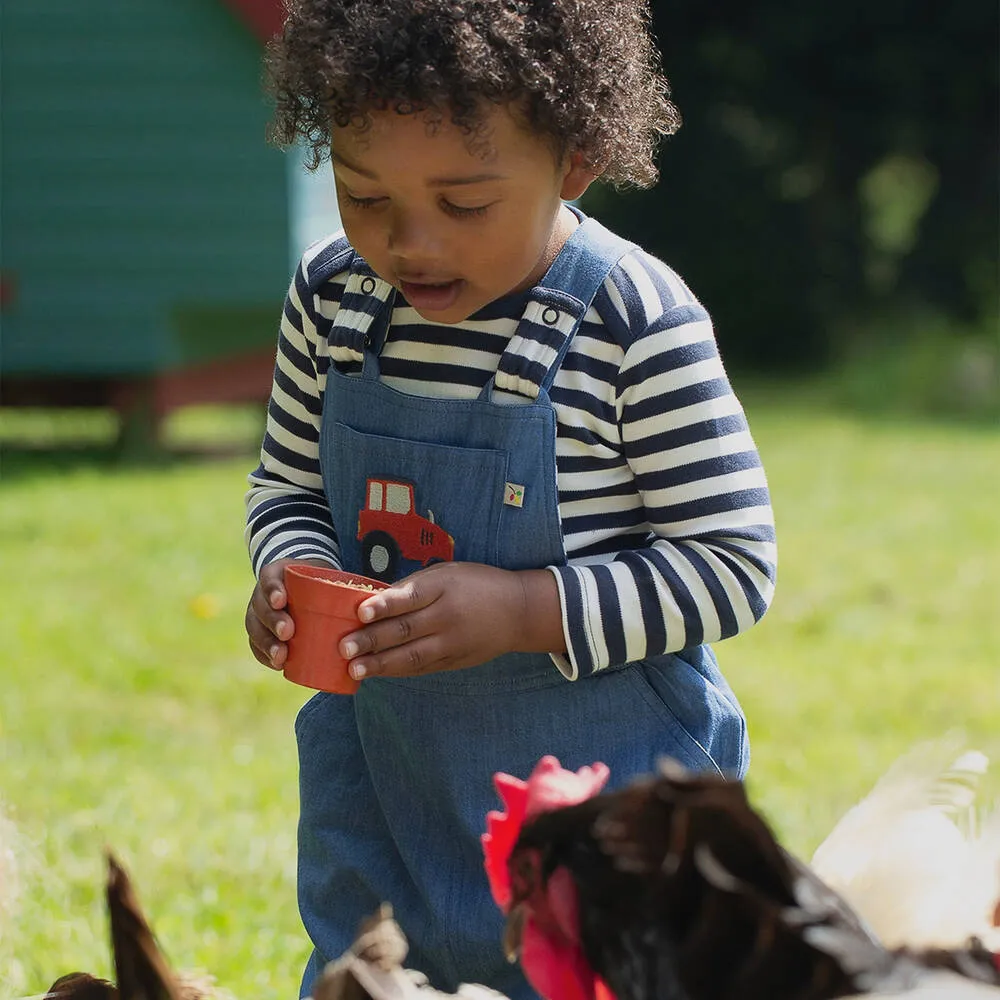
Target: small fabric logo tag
(513,495)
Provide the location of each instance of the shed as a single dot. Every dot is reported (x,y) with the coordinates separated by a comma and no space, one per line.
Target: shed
(146,222)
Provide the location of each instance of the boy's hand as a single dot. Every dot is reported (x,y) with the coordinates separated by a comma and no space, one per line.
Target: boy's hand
(268,625)
(455,615)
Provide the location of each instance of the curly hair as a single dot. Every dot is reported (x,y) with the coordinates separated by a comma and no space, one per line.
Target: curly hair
(584,73)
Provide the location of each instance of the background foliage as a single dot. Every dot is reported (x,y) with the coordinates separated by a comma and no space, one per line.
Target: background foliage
(835,179)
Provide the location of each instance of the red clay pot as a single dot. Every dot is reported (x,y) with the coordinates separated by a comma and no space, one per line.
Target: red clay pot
(323,604)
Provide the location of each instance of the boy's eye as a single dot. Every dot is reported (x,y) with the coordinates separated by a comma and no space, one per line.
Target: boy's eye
(457,211)
(362,202)
(462,211)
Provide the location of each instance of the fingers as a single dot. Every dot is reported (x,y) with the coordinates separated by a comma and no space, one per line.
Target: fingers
(426,654)
(415,592)
(398,646)
(385,634)
(265,645)
(271,584)
(278,623)
(268,626)
(423,624)
(400,614)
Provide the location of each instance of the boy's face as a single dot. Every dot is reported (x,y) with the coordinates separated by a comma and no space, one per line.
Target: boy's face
(453,229)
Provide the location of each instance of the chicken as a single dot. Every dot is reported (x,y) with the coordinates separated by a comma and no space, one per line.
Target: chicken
(373,969)
(675,889)
(914,859)
(380,947)
(141,971)
(81,986)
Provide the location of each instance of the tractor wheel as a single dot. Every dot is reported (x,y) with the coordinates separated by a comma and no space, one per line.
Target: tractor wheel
(380,556)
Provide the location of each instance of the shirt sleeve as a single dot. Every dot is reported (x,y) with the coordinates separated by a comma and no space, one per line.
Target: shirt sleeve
(287,512)
(708,568)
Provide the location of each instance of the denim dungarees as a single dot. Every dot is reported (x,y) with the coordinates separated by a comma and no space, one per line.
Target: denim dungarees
(396,781)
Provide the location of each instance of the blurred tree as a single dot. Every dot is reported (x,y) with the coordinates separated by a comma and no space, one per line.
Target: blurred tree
(836,160)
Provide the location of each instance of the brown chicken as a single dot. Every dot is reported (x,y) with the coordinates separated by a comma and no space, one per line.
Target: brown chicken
(141,971)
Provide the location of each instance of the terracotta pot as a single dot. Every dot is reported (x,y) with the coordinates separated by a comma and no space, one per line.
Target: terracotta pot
(323,604)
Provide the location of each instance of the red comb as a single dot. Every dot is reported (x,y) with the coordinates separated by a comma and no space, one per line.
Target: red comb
(502,829)
(549,787)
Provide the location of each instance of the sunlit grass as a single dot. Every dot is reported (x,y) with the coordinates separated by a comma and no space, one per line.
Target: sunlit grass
(884,630)
(133,716)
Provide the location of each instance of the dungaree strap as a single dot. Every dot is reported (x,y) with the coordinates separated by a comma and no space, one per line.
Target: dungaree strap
(586,260)
(364,313)
(556,309)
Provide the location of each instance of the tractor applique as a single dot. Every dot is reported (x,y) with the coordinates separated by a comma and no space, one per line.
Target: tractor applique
(390,530)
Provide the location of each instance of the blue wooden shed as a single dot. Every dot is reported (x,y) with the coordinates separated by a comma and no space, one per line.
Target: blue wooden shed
(145,221)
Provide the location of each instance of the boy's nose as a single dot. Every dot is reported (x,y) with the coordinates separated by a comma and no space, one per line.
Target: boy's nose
(411,237)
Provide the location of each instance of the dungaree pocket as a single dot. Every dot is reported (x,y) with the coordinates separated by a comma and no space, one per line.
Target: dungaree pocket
(692,703)
(307,710)
(400,504)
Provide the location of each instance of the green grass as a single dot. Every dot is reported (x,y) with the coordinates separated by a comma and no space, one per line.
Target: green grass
(133,716)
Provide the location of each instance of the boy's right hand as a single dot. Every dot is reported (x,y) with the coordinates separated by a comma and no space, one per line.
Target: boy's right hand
(268,625)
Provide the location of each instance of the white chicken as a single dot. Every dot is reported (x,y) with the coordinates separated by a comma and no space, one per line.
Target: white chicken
(916,858)
(942,986)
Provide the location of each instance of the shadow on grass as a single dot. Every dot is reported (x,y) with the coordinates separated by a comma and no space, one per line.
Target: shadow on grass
(19,462)
(45,443)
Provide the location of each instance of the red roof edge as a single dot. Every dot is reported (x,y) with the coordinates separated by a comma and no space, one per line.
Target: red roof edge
(263,17)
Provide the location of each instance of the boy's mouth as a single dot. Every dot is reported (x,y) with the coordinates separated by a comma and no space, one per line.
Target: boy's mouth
(433,297)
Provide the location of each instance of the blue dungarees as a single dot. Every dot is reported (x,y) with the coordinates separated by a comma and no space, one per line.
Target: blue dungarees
(396,781)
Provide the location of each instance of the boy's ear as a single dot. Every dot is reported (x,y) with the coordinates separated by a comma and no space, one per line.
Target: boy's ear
(577,179)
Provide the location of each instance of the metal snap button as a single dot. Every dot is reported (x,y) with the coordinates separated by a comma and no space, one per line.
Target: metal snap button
(550,316)
(368,286)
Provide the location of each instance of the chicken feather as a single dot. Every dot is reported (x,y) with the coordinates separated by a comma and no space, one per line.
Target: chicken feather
(914,857)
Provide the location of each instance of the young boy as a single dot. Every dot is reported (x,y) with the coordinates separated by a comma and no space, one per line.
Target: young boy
(533,414)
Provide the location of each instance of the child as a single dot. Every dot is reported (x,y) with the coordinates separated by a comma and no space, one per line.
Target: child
(533,416)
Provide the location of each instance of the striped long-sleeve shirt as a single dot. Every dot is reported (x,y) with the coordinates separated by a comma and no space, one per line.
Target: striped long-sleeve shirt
(664,507)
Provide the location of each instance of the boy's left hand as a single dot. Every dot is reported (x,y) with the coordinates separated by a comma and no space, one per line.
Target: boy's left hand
(454,615)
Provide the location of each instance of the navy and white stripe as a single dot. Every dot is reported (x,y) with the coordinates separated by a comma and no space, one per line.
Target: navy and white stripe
(664,506)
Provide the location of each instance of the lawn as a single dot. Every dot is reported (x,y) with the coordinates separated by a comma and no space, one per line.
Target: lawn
(133,716)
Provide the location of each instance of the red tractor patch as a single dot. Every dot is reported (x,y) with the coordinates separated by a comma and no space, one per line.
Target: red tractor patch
(390,530)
